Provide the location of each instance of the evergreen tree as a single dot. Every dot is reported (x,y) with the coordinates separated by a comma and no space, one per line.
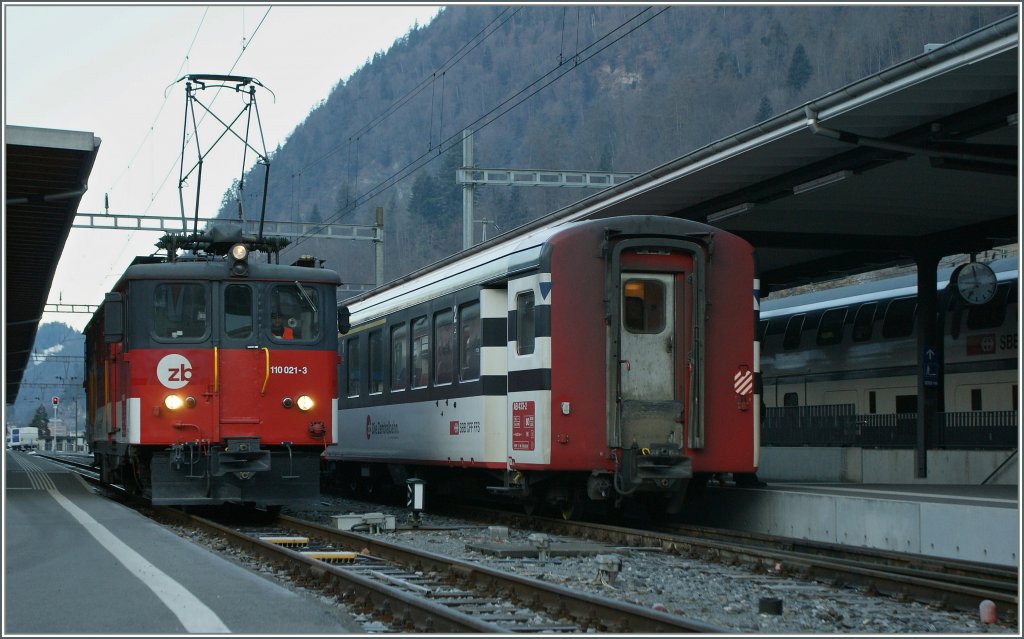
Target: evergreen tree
(42,422)
(799,69)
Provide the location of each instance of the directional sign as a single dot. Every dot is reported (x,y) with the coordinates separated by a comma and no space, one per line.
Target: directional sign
(931,367)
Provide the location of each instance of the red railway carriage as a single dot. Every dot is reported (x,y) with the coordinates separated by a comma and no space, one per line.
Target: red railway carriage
(595,361)
(213,380)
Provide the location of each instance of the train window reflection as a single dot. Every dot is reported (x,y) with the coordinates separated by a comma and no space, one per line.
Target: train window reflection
(179,310)
(830,329)
(294,312)
(899,318)
(794,328)
(444,353)
(643,306)
(525,323)
(420,352)
(238,311)
(376,362)
(354,367)
(469,355)
(399,357)
(863,322)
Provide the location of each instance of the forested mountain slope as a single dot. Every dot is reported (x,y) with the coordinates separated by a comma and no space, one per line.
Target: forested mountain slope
(619,88)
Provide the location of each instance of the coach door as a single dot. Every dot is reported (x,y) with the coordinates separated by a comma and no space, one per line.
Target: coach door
(652,352)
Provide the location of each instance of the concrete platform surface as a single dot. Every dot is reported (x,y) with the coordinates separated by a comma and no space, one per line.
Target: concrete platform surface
(971,523)
(76,563)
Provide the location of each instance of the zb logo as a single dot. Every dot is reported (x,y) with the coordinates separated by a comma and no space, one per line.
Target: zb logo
(174,371)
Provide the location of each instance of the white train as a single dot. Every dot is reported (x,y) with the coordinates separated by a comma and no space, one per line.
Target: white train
(595,361)
(857,346)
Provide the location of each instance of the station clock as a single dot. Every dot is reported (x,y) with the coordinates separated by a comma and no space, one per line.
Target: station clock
(975,282)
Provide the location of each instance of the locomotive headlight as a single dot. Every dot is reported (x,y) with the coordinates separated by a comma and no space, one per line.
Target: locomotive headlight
(173,402)
(304,402)
(287,402)
(240,263)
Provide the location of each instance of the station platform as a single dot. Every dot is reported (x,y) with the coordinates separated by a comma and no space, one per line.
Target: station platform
(966,522)
(77,563)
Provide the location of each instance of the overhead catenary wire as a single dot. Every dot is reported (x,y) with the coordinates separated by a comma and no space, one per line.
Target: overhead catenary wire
(514,101)
(245,46)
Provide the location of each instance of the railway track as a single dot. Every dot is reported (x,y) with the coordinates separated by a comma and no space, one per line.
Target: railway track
(949,584)
(415,590)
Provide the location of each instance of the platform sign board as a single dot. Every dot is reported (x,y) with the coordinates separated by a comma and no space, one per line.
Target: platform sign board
(930,374)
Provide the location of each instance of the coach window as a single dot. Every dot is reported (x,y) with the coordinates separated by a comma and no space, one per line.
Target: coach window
(762,330)
(399,357)
(830,329)
(354,367)
(420,352)
(899,318)
(376,362)
(179,311)
(794,328)
(643,306)
(444,352)
(469,331)
(975,399)
(863,321)
(238,311)
(525,323)
(791,400)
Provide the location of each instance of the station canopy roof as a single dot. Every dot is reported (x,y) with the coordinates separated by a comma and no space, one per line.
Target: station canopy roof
(920,157)
(46,174)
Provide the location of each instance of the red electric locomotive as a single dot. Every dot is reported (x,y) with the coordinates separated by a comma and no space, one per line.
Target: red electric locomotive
(586,362)
(211,379)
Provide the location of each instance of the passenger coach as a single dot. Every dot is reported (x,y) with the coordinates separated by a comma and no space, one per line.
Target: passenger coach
(592,361)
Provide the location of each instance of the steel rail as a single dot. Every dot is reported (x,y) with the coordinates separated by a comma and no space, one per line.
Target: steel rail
(412,610)
(963,587)
(590,611)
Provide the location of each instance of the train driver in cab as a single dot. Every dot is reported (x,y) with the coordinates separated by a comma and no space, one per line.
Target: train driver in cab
(279,328)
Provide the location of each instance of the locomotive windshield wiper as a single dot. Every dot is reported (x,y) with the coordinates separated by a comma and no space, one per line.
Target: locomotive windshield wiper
(302,292)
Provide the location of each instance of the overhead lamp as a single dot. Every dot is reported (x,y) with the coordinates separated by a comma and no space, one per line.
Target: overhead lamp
(732,211)
(831,178)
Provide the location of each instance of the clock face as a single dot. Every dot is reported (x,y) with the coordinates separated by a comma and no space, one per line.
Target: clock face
(976,283)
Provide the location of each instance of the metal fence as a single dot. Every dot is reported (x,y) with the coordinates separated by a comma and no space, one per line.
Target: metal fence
(839,425)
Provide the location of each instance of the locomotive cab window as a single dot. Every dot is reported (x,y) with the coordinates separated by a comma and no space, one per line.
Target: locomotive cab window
(294,312)
(179,311)
(238,311)
(643,306)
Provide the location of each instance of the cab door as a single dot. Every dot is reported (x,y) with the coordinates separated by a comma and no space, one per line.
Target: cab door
(239,361)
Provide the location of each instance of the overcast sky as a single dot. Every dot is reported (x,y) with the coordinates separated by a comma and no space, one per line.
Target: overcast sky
(112,70)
